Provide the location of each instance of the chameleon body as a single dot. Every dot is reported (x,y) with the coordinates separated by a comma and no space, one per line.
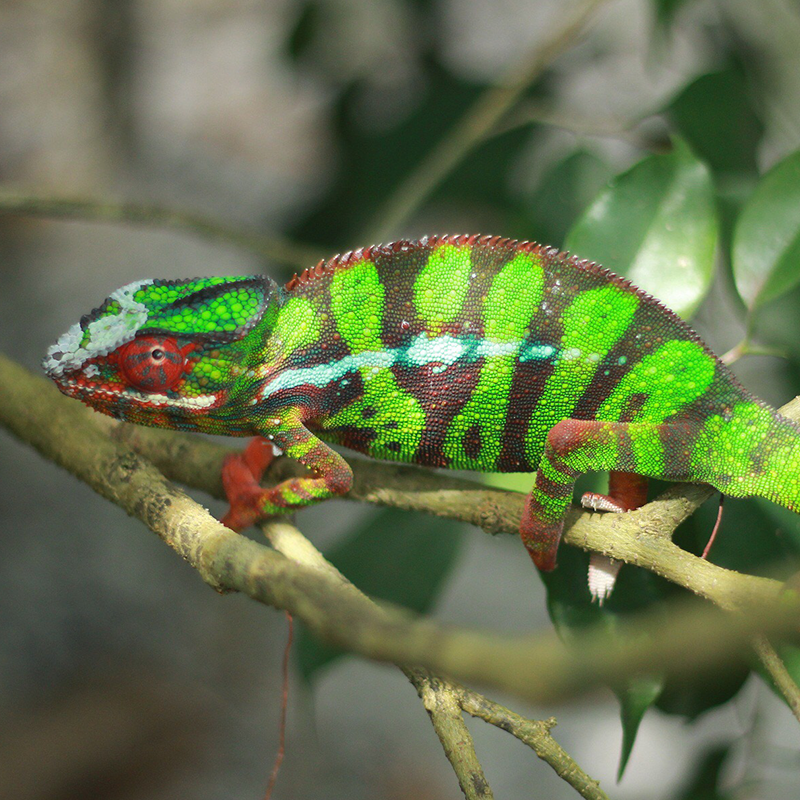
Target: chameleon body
(469,352)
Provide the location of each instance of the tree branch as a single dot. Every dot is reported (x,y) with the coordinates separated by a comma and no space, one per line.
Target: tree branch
(536,668)
(777,671)
(535,734)
(269,246)
(444,700)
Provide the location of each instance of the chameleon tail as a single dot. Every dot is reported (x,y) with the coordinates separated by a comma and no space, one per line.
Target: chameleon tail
(781,481)
(752,450)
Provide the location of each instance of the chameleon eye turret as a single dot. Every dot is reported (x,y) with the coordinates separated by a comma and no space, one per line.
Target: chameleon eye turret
(469,352)
(154,363)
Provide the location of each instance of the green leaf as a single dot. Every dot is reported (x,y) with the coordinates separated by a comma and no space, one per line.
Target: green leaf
(716,117)
(305,30)
(704,783)
(656,224)
(399,556)
(563,192)
(666,10)
(640,693)
(766,241)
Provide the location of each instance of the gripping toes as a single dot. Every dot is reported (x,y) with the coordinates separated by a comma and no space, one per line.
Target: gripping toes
(250,503)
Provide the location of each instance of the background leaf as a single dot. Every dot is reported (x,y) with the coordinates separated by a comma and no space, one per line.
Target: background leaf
(766,242)
(667,10)
(563,192)
(706,111)
(704,784)
(656,224)
(634,700)
(399,556)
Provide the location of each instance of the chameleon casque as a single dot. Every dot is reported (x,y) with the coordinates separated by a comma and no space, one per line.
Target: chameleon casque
(469,352)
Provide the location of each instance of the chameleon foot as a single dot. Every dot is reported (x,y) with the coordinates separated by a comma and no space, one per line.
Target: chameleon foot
(241,478)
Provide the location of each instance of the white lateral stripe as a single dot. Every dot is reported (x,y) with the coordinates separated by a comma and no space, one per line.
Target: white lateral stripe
(422,351)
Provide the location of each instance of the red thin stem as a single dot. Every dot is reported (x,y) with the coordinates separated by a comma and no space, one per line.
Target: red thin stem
(284,703)
(716,527)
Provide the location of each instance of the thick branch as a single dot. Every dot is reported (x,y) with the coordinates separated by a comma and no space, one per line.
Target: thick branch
(537,668)
(639,537)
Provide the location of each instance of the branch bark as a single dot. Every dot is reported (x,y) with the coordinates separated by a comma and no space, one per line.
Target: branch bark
(445,700)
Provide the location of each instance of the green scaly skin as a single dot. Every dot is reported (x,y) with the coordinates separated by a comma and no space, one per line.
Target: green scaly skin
(470,352)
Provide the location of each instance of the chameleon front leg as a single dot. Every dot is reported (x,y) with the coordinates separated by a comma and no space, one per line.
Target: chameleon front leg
(574,447)
(242,472)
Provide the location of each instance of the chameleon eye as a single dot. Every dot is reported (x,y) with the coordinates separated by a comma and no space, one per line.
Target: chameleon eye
(152,363)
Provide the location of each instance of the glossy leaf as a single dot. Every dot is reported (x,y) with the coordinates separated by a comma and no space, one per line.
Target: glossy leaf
(715,115)
(766,243)
(656,224)
(395,555)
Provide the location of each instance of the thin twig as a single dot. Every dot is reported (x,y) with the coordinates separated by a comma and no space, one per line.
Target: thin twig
(439,697)
(535,734)
(626,130)
(475,125)
(777,671)
(273,776)
(441,701)
(444,700)
(269,246)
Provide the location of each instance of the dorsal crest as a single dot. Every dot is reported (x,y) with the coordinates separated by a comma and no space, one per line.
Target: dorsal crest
(327,267)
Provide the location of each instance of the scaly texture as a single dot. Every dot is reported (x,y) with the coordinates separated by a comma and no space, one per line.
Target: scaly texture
(469,352)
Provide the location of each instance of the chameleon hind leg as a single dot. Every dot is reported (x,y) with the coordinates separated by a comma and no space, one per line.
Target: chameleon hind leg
(626,492)
(574,447)
(242,473)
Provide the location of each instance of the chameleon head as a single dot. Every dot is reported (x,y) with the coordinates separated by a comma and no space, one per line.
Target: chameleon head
(166,353)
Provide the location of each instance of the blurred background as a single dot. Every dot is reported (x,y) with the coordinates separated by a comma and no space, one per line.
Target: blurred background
(121,674)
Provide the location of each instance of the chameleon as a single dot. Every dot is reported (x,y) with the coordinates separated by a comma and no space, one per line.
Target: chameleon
(461,351)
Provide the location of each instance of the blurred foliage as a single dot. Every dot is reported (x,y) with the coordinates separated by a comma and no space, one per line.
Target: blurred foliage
(704,784)
(674,222)
(400,556)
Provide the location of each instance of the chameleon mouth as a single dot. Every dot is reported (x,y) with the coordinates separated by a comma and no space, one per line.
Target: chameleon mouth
(98,394)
